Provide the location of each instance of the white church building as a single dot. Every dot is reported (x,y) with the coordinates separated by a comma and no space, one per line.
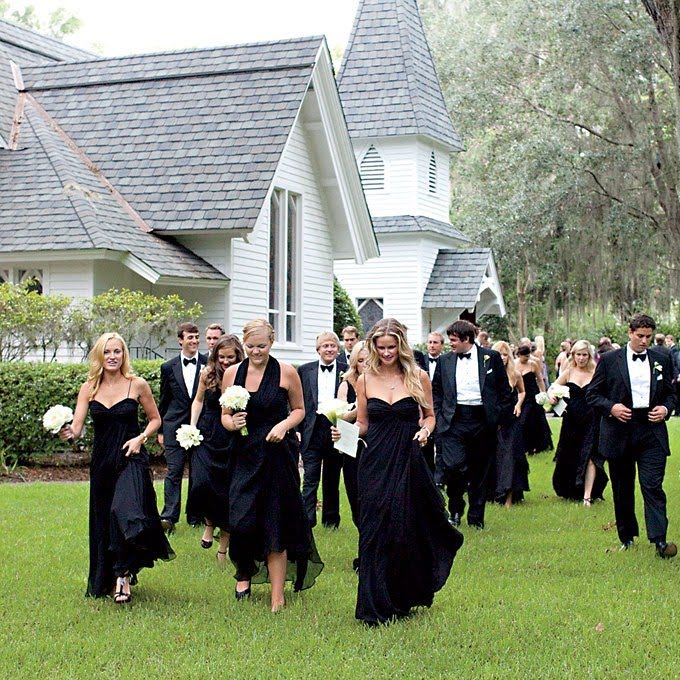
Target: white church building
(229,176)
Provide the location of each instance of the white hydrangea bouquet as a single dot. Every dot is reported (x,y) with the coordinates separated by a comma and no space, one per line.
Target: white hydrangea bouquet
(334,409)
(56,417)
(559,392)
(542,399)
(188,436)
(236,398)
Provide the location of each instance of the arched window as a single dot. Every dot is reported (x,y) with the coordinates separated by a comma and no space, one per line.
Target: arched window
(371,310)
(432,174)
(33,278)
(372,170)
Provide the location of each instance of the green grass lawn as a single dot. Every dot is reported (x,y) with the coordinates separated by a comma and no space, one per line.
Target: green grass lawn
(542,592)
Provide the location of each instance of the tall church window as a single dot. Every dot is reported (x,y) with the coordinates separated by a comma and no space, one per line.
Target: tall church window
(285,220)
(372,170)
(432,174)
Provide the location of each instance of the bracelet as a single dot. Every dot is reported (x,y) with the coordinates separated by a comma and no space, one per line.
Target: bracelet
(145,438)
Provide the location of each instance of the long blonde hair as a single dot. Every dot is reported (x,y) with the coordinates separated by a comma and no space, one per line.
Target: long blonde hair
(96,358)
(352,374)
(510,368)
(579,346)
(407,363)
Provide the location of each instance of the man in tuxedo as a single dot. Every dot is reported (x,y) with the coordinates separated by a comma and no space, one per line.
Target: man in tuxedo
(212,334)
(179,382)
(435,344)
(472,397)
(675,362)
(320,381)
(632,391)
(350,337)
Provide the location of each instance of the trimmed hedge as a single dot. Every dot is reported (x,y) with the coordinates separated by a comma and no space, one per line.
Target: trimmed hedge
(27,390)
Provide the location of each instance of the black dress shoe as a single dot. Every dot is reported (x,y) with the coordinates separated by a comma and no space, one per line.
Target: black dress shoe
(168,526)
(243,594)
(627,545)
(454,520)
(666,550)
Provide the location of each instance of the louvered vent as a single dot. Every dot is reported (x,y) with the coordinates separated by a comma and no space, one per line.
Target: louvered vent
(372,169)
(432,175)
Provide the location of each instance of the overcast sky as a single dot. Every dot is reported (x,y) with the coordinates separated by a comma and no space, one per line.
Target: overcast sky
(130,26)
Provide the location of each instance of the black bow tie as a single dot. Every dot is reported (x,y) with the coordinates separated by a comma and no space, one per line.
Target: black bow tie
(641,357)
(432,359)
(189,361)
(328,368)
(467,355)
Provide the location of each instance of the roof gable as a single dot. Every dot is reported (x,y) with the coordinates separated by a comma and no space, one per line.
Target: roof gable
(387,81)
(191,139)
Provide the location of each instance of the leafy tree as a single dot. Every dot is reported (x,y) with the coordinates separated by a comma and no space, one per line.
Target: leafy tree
(59,22)
(344,311)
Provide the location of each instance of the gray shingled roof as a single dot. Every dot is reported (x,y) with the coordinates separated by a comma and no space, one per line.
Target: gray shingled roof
(388,83)
(401,224)
(26,47)
(456,278)
(191,139)
(52,201)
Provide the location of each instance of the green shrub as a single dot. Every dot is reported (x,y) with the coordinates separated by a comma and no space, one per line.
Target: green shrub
(27,390)
(344,311)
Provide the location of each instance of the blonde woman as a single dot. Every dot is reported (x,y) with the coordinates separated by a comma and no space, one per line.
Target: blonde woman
(579,471)
(270,536)
(512,468)
(406,545)
(125,529)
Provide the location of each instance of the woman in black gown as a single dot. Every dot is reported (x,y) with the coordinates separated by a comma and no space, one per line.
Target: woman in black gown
(270,534)
(125,529)
(512,467)
(535,428)
(406,544)
(579,470)
(210,460)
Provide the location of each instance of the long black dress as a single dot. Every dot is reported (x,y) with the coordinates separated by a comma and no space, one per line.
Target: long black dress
(406,545)
(535,428)
(265,505)
(211,465)
(512,467)
(578,445)
(125,528)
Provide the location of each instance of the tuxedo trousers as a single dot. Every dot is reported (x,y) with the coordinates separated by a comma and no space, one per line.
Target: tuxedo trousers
(464,456)
(642,450)
(320,458)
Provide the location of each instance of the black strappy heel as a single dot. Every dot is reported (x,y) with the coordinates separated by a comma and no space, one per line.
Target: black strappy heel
(120,596)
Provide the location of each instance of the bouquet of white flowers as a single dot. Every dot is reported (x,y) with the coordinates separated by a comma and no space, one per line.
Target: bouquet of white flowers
(542,399)
(558,391)
(188,436)
(56,417)
(334,409)
(236,398)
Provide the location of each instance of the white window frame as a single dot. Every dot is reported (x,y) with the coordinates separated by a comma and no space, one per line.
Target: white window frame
(285,314)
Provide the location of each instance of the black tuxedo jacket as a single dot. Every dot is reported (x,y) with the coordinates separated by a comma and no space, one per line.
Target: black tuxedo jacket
(421,359)
(611,385)
(493,384)
(175,402)
(309,376)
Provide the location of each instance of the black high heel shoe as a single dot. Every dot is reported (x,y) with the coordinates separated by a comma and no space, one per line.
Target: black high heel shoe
(120,596)
(243,594)
(206,545)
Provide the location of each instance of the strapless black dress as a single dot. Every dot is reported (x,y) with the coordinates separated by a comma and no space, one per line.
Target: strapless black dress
(406,545)
(577,445)
(512,467)
(535,428)
(125,528)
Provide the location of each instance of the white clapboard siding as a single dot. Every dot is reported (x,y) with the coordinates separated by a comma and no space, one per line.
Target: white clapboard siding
(250,261)
(400,156)
(72,278)
(215,249)
(434,205)
(109,274)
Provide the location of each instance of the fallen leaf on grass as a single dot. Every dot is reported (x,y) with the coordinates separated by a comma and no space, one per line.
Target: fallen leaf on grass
(600,627)
(608,526)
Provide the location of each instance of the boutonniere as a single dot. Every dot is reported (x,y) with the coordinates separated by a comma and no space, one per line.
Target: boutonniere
(341,375)
(486,358)
(658,367)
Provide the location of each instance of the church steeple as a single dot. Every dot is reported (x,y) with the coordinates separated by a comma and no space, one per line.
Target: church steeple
(387,81)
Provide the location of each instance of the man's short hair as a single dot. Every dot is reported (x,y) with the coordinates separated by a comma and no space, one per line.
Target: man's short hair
(660,339)
(463,330)
(350,329)
(438,334)
(215,327)
(186,327)
(326,336)
(641,321)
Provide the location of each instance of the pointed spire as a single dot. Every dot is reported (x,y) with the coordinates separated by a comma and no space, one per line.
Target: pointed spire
(387,81)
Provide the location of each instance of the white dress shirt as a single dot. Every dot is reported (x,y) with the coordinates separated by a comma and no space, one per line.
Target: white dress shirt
(326,382)
(640,377)
(467,379)
(189,371)
(431,365)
